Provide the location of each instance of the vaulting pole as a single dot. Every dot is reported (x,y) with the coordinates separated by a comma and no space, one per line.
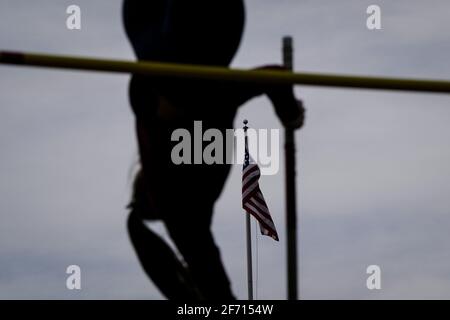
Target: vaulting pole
(290,188)
(219,73)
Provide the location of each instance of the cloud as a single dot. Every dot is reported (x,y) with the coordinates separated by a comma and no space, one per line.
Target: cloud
(373,166)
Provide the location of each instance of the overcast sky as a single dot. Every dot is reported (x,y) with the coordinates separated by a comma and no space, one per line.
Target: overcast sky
(374,167)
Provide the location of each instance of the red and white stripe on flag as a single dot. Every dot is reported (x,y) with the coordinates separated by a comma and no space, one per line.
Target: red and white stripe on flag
(253,200)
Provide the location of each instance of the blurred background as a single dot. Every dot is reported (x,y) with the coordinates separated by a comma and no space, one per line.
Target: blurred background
(374,166)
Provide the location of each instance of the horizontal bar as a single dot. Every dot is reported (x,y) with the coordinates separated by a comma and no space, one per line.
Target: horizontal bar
(220,73)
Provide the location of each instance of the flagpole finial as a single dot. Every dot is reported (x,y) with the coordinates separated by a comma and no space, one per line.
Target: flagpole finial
(245,124)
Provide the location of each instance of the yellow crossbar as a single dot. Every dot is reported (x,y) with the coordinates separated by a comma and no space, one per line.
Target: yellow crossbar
(220,73)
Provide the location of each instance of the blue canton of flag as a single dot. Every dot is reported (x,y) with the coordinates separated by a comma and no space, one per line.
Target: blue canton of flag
(252,198)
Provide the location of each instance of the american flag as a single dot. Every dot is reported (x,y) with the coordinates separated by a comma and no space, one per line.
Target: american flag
(252,198)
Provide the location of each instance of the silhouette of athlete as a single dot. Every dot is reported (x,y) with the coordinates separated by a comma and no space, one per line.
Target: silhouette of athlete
(202,32)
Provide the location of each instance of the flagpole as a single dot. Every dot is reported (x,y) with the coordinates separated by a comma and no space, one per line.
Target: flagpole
(249,259)
(248,231)
(290,175)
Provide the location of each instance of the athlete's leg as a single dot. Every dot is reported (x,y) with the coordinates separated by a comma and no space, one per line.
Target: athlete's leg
(160,262)
(192,235)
